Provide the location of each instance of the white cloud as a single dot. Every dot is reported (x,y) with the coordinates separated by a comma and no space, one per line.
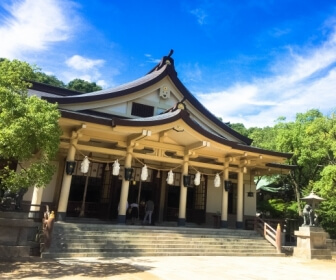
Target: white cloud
(191,72)
(200,15)
(81,63)
(300,83)
(151,59)
(31,25)
(84,68)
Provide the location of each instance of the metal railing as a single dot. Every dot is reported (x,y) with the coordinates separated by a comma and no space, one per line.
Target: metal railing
(270,234)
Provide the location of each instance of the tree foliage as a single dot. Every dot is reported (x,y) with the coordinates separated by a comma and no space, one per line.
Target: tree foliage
(29,132)
(311,138)
(48,79)
(83,86)
(76,84)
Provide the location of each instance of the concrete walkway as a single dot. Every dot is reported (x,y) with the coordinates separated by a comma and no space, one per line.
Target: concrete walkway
(169,268)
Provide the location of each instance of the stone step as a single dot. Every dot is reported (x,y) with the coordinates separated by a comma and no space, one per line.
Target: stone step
(88,240)
(153,236)
(156,246)
(50,255)
(67,228)
(156,238)
(161,243)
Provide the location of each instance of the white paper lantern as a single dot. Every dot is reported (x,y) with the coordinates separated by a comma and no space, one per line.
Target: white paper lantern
(197,179)
(217,181)
(144,173)
(116,168)
(85,165)
(170,177)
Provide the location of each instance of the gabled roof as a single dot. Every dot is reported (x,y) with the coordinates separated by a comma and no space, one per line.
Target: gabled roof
(163,69)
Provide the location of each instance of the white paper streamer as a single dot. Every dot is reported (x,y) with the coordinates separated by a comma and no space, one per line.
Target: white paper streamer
(144,173)
(85,165)
(217,181)
(116,168)
(197,179)
(170,177)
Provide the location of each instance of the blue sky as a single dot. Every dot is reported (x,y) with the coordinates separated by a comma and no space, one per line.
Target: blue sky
(246,61)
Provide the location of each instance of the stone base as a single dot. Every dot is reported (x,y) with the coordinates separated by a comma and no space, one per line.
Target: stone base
(311,243)
(14,251)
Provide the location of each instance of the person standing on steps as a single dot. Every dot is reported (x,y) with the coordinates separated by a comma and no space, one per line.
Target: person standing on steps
(149,207)
(134,212)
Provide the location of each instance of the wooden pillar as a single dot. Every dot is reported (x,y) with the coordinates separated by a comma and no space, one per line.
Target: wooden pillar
(66,183)
(183,193)
(225,196)
(240,199)
(124,189)
(36,202)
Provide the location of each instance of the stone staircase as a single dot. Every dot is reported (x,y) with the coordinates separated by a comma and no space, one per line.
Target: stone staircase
(72,240)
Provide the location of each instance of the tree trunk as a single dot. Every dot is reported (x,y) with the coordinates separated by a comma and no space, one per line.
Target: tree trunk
(297,194)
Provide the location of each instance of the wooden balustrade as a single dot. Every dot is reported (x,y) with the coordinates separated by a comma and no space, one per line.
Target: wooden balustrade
(270,234)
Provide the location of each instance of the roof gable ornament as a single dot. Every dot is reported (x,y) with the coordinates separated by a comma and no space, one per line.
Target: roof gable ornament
(166,60)
(164,92)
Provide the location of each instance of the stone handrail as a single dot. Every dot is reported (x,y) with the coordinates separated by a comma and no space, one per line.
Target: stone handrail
(270,234)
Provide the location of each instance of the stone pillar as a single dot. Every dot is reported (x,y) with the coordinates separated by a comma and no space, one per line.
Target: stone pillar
(36,202)
(240,199)
(225,196)
(66,183)
(311,243)
(183,193)
(124,189)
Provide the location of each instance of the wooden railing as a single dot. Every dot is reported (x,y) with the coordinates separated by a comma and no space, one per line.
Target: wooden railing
(270,234)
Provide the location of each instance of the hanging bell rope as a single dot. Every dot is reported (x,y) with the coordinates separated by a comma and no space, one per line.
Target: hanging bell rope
(207,174)
(95,159)
(155,168)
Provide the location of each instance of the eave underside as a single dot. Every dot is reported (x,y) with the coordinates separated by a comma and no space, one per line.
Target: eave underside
(165,146)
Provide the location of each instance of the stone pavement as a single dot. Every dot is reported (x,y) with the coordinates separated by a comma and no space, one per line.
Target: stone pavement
(169,268)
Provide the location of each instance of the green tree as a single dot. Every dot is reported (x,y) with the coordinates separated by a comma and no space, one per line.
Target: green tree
(48,79)
(83,86)
(324,132)
(312,140)
(239,127)
(302,138)
(29,132)
(326,187)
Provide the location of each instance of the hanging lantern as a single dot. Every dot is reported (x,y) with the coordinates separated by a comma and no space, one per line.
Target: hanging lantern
(186,180)
(85,165)
(116,168)
(227,185)
(128,173)
(197,179)
(70,167)
(144,173)
(217,181)
(170,177)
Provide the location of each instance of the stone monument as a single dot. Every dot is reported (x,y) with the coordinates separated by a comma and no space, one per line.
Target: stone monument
(311,239)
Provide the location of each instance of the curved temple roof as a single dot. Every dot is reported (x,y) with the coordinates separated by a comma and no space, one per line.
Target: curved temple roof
(160,71)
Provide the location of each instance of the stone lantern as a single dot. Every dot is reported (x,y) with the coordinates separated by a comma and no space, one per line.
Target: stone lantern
(311,239)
